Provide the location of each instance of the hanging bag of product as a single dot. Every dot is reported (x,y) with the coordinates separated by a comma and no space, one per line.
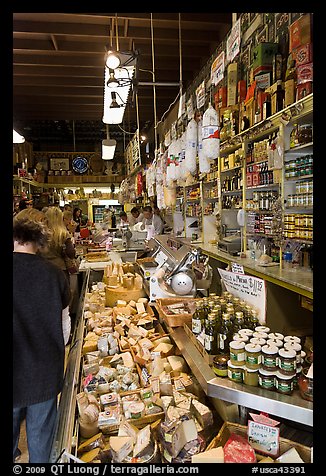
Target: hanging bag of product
(211,134)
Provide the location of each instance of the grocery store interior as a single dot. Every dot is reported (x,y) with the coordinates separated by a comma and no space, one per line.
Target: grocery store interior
(192,330)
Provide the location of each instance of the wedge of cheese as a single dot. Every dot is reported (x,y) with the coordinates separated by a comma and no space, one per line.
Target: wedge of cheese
(203,414)
(164,349)
(215,455)
(121,446)
(177,363)
(143,442)
(186,431)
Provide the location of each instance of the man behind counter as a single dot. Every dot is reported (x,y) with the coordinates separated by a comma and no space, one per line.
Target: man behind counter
(152,219)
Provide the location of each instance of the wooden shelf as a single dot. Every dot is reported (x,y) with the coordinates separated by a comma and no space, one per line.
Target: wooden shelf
(299,147)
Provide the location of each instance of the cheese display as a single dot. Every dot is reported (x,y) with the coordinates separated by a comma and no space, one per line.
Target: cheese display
(138,401)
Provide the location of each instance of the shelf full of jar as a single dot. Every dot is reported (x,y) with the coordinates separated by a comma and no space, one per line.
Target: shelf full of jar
(223,171)
(302,148)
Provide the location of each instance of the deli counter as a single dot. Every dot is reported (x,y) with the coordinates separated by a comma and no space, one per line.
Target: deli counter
(217,389)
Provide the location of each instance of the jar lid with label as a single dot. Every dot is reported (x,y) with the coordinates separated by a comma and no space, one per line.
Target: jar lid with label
(277,342)
(267,373)
(293,338)
(276,335)
(262,329)
(247,332)
(253,347)
(281,376)
(287,353)
(270,349)
(257,341)
(291,345)
(262,335)
(237,345)
(241,338)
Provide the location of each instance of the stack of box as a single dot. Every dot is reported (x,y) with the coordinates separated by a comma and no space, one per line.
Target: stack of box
(300,46)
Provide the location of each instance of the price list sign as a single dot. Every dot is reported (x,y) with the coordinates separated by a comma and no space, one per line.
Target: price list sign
(246,287)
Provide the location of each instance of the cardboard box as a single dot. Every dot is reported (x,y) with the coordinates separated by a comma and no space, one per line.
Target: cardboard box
(303,90)
(263,54)
(255,179)
(272,91)
(290,92)
(300,32)
(249,179)
(263,80)
(302,54)
(232,84)
(242,90)
(305,73)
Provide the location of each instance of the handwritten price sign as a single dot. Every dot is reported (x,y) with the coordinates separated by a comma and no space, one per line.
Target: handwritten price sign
(249,288)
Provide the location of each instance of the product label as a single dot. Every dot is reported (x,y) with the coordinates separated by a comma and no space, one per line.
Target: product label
(266,382)
(196,327)
(210,132)
(284,387)
(208,342)
(288,366)
(241,357)
(221,339)
(235,375)
(253,359)
(271,362)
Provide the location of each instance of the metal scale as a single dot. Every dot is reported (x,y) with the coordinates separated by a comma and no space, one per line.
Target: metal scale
(176,270)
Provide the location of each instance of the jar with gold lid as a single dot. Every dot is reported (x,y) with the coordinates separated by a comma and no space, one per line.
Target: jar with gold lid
(220,365)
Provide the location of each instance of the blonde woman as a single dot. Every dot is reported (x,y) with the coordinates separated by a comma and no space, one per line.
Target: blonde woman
(40,294)
(60,245)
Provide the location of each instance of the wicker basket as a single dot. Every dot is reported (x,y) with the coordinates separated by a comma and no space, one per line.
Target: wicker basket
(285,444)
(177,320)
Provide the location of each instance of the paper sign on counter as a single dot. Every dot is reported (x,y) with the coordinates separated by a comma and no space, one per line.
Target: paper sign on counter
(246,287)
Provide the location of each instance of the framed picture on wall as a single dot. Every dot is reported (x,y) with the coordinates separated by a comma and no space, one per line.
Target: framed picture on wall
(59,164)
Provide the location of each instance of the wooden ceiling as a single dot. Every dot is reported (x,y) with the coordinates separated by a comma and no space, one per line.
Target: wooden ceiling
(58,67)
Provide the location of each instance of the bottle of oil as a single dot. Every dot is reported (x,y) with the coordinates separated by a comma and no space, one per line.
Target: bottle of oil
(224,335)
(254,321)
(238,322)
(210,335)
(196,323)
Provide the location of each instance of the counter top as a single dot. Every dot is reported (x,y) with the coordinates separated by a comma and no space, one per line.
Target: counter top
(296,279)
(291,407)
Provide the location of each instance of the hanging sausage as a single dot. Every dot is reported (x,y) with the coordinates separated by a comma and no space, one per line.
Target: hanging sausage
(191,147)
(204,163)
(211,134)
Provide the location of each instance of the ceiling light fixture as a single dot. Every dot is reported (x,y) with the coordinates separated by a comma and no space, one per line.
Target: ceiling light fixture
(112,82)
(108,148)
(17,138)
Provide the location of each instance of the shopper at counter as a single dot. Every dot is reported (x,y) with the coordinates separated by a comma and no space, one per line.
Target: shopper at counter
(77,217)
(153,223)
(40,294)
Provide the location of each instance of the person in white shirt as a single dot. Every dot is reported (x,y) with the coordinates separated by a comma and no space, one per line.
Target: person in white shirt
(150,219)
(136,216)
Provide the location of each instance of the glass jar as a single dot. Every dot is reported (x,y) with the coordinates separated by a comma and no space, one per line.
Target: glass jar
(305,384)
(303,356)
(296,347)
(287,362)
(250,377)
(284,383)
(237,353)
(269,357)
(295,378)
(304,133)
(220,365)
(235,373)
(253,356)
(266,379)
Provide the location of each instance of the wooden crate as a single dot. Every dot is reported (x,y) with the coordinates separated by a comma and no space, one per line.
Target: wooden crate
(179,319)
(207,357)
(285,444)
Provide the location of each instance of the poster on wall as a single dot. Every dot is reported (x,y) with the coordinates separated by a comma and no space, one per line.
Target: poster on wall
(190,109)
(200,95)
(246,287)
(233,42)
(217,69)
